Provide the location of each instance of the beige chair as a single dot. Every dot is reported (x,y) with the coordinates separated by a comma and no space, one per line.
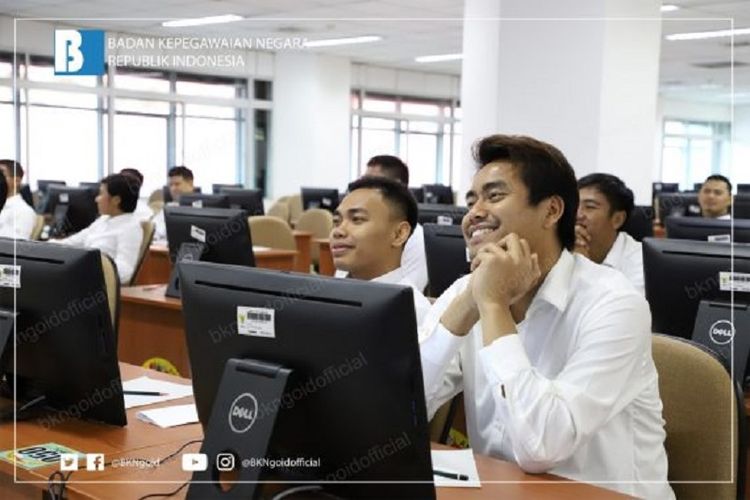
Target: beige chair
(272,232)
(36,233)
(112,283)
(705,421)
(148,228)
(319,222)
(295,208)
(279,209)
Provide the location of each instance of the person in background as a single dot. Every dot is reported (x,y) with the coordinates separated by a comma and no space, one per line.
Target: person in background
(715,197)
(413,259)
(371,226)
(17,218)
(605,205)
(117,231)
(141,209)
(179,181)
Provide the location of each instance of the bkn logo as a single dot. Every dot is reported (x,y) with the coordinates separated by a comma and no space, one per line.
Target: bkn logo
(243,412)
(79,52)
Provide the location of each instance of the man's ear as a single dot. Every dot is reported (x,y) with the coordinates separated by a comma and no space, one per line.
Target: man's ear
(118,200)
(402,233)
(554,209)
(618,219)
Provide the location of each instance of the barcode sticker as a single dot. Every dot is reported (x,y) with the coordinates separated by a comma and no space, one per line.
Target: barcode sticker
(326,202)
(444,220)
(64,197)
(197,233)
(719,238)
(256,322)
(738,282)
(10,276)
(198,203)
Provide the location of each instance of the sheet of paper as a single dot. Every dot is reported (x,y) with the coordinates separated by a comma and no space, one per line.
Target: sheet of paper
(258,248)
(171,416)
(170,389)
(458,461)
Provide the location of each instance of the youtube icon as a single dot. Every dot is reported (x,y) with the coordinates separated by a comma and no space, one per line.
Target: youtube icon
(192,462)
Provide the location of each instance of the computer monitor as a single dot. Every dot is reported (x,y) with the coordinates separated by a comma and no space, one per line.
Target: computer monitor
(93,186)
(72,209)
(418,194)
(440,214)
(326,198)
(42,184)
(741,207)
(743,188)
(677,205)
(447,260)
(218,188)
(66,350)
(250,200)
(680,273)
(697,187)
(218,235)
(167,194)
(355,383)
(640,223)
(438,193)
(703,229)
(198,200)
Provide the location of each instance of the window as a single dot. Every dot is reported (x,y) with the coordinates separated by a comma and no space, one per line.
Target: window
(691,151)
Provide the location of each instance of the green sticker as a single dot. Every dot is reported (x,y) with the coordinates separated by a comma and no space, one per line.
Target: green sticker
(38,455)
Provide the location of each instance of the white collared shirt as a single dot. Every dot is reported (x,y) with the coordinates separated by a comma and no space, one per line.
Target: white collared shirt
(17,218)
(413,260)
(119,237)
(143,211)
(574,393)
(399,277)
(626,255)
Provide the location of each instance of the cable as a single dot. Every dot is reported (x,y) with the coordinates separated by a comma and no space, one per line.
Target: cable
(169,494)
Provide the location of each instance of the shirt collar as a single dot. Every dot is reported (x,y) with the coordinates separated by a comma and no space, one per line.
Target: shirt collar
(393,277)
(615,253)
(556,286)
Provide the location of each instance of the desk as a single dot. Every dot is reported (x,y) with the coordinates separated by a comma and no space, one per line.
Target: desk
(157,266)
(141,440)
(325,267)
(303,240)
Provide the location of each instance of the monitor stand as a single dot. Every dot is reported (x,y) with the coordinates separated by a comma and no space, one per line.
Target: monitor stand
(248,397)
(714,329)
(59,221)
(188,251)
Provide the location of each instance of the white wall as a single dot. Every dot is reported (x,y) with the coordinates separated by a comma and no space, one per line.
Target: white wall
(405,82)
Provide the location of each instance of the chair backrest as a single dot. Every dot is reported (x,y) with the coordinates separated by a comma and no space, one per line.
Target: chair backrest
(36,233)
(148,228)
(319,222)
(704,414)
(112,282)
(279,209)
(295,208)
(268,231)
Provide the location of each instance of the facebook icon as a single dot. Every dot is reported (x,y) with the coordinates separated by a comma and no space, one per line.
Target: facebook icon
(79,52)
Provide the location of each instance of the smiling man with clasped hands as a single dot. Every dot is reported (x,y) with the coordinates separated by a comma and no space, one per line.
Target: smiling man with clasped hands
(551,351)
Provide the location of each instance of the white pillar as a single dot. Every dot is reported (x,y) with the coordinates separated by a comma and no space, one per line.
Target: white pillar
(579,74)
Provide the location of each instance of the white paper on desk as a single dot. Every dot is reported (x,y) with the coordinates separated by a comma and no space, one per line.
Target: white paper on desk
(171,416)
(257,248)
(173,391)
(460,461)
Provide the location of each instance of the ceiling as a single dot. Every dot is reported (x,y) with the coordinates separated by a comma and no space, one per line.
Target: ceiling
(405,39)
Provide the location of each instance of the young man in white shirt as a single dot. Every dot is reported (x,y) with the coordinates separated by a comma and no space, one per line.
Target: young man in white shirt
(371,225)
(605,205)
(17,218)
(551,351)
(413,259)
(180,181)
(715,197)
(117,232)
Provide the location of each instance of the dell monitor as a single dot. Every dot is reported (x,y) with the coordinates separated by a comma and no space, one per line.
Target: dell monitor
(318,367)
(418,194)
(677,205)
(326,198)
(697,186)
(167,194)
(198,200)
(94,186)
(218,188)
(72,209)
(741,207)
(440,214)
(438,194)
(640,223)
(447,260)
(43,185)
(66,350)
(743,188)
(218,235)
(703,229)
(250,200)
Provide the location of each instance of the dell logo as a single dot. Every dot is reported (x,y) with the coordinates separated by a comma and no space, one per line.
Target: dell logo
(243,412)
(721,332)
(79,52)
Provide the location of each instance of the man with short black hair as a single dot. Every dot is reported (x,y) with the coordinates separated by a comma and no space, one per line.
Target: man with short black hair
(117,231)
(715,197)
(606,203)
(551,350)
(179,181)
(17,218)
(142,209)
(370,228)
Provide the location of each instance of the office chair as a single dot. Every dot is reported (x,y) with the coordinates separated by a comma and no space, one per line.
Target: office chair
(272,232)
(319,222)
(112,282)
(148,228)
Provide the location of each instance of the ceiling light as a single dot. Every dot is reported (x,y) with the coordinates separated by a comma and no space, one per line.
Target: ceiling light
(701,35)
(439,58)
(343,41)
(198,21)
(669,8)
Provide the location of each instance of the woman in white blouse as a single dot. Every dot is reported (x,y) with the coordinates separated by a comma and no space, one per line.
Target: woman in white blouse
(117,232)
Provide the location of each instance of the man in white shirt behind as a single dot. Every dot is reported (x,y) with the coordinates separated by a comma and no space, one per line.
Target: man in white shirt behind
(605,205)
(117,232)
(17,218)
(180,181)
(551,351)
(370,228)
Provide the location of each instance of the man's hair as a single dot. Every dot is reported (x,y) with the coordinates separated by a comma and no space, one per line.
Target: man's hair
(394,193)
(544,171)
(181,171)
(392,167)
(124,186)
(133,172)
(619,196)
(14,168)
(719,177)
